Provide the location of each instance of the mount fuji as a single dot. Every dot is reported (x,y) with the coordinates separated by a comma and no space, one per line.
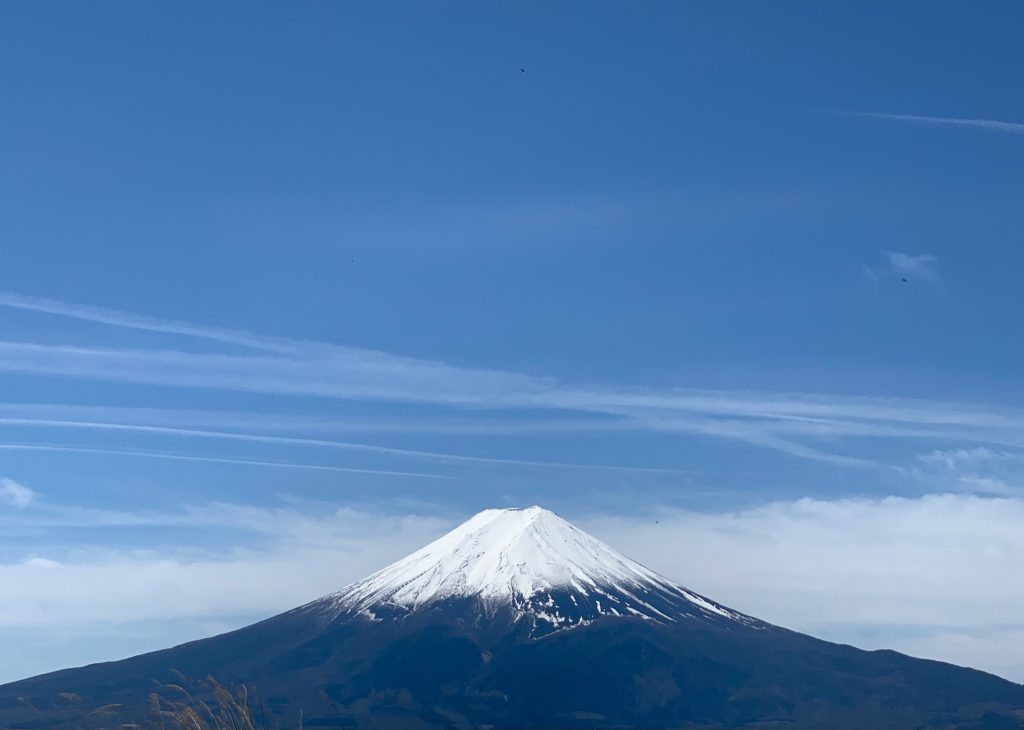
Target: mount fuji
(528,565)
(517,619)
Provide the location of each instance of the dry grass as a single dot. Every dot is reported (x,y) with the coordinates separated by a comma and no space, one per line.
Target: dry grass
(185,704)
(221,711)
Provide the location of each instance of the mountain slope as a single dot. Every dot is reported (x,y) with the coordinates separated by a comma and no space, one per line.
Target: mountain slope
(516,619)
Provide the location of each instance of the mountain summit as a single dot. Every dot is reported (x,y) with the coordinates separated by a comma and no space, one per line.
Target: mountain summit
(517,619)
(533,562)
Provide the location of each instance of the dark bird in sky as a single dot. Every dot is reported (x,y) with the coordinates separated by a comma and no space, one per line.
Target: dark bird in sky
(522,70)
(903,279)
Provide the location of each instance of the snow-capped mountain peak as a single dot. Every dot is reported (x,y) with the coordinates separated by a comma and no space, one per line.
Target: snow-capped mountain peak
(532,561)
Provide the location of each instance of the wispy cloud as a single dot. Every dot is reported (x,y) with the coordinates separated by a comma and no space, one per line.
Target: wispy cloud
(954,458)
(985,125)
(743,416)
(14,494)
(754,418)
(118,318)
(354,374)
(991,485)
(809,426)
(923,267)
(979,469)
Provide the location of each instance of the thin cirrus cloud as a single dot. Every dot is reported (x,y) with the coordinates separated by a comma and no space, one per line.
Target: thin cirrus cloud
(118,318)
(981,469)
(984,125)
(756,419)
(955,458)
(798,424)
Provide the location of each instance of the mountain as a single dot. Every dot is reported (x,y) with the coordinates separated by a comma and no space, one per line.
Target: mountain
(517,619)
(530,562)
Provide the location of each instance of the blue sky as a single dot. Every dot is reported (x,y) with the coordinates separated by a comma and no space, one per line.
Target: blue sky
(288,290)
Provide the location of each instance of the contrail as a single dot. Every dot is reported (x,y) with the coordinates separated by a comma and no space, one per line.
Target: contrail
(988,125)
(213,459)
(300,441)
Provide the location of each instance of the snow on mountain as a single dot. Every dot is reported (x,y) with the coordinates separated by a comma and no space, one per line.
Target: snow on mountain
(534,562)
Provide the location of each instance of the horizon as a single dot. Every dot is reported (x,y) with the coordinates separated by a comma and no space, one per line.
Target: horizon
(287,291)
